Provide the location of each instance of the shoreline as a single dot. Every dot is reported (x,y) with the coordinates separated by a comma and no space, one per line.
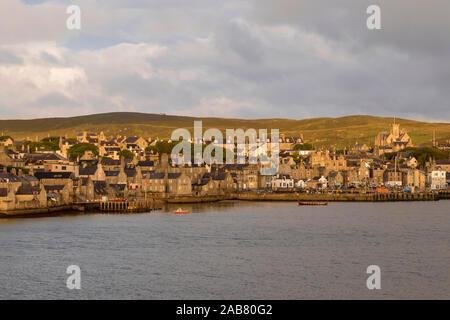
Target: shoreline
(36,211)
(243,196)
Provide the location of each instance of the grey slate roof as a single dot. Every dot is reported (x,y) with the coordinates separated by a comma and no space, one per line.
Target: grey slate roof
(27,190)
(54,188)
(88,171)
(53,175)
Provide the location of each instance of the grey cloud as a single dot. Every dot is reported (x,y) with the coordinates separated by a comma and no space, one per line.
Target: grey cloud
(7,57)
(326,63)
(56,100)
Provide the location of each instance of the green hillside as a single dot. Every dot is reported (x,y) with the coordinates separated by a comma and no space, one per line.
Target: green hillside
(344,131)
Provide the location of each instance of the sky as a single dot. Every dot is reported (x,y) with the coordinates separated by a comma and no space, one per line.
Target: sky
(248,58)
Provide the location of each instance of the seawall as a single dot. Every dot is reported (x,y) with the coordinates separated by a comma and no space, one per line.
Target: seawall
(36,211)
(253,196)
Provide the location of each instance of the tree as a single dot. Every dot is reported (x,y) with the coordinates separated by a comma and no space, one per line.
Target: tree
(422,154)
(127,154)
(51,143)
(79,149)
(303,146)
(166,147)
(162,147)
(296,157)
(6,137)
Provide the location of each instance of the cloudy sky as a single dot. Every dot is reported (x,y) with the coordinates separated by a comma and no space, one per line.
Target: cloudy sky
(251,59)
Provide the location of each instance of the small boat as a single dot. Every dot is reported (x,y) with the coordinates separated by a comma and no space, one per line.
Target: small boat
(312,203)
(180,211)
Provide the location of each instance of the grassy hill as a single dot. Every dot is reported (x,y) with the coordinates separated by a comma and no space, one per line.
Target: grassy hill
(344,131)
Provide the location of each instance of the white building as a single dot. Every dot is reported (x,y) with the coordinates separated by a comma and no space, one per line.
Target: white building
(300,184)
(282,181)
(324,182)
(437,179)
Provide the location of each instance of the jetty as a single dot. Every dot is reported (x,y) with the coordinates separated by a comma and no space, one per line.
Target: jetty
(119,205)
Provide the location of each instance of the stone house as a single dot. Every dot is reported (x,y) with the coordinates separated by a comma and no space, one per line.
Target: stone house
(59,194)
(317,183)
(164,183)
(25,197)
(376,176)
(304,171)
(9,158)
(84,189)
(246,175)
(214,184)
(360,148)
(392,178)
(178,184)
(58,183)
(110,152)
(155,183)
(414,178)
(133,143)
(335,179)
(95,172)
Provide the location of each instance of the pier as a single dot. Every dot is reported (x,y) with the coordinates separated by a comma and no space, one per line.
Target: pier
(127,206)
(118,206)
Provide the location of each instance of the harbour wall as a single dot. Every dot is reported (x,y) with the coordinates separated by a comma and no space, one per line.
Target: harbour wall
(127,206)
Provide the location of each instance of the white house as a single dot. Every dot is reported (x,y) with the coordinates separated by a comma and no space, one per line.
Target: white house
(282,181)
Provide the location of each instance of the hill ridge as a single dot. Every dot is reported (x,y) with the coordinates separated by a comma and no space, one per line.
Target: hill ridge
(323,131)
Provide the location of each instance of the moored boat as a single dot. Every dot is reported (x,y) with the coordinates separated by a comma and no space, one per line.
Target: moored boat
(180,211)
(312,203)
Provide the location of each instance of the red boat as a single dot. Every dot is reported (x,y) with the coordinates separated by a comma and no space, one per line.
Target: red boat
(180,211)
(312,203)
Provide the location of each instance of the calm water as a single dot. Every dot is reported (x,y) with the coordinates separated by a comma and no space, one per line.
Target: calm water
(233,250)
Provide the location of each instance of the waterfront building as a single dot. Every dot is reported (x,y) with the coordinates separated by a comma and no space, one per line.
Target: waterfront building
(437,179)
(245,175)
(282,181)
(336,179)
(414,178)
(376,175)
(317,183)
(393,178)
